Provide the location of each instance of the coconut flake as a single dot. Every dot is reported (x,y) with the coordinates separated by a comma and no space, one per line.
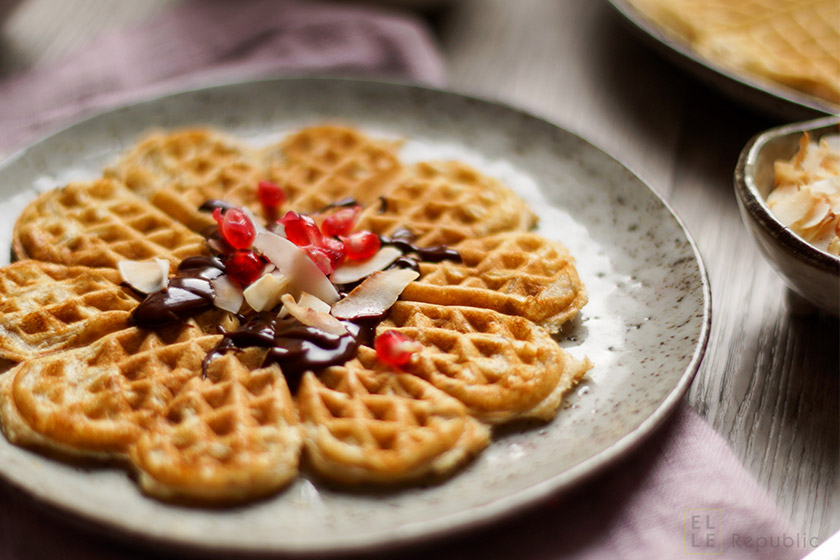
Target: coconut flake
(302,273)
(375,295)
(145,276)
(265,293)
(353,271)
(308,300)
(793,208)
(227,295)
(312,318)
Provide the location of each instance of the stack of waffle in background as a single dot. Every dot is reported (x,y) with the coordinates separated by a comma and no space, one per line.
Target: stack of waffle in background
(795,43)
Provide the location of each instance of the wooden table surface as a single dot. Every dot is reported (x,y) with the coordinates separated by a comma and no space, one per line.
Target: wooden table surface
(770,382)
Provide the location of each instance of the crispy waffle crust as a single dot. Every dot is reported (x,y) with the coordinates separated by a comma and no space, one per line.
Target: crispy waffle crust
(47,307)
(325,164)
(180,171)
(365,425)
(516,273)
(89,384)
(98,224)
(139,395)
(444,203)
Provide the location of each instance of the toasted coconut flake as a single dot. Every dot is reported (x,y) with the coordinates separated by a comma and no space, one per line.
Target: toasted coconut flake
(806,194)
(145,276)
(353,271)
(308,300)
(792,209)
(264,294)
(312,318)
(302,273)
(819,211)
(375,295)
(227,294)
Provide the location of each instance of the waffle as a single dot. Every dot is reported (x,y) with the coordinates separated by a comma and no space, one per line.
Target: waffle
(139,395)
(795,43)
(324,164)
(179,171)
(367,426)
(91,385)
(515,273)
(46,307)
(501,367)
(446,203)
(98,224)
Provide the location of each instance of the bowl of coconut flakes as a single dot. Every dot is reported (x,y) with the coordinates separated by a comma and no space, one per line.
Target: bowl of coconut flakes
(787,182)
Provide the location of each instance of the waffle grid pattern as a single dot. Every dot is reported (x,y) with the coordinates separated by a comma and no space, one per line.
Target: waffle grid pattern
(516,273)
(444,203)
(502,367)
(321,165)
(40,300)
(238,433)
(369,426)
(178,172)
(98,224)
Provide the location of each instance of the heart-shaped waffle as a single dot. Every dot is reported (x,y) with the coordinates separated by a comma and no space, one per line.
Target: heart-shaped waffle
(98,224)
(226,427)
(374,425)
(179,171)
(516,273)
(47,307)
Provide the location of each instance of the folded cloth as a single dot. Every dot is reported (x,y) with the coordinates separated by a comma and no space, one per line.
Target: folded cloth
(215,41)
(680,494)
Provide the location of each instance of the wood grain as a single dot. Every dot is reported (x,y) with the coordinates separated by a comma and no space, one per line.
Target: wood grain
(769,382)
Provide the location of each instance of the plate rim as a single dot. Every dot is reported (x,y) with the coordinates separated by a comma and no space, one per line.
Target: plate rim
(464,520)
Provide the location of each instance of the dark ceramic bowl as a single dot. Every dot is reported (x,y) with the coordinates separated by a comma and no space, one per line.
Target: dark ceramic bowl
(810,272)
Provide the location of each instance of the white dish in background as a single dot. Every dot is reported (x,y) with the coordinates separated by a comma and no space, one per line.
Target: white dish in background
(645,327)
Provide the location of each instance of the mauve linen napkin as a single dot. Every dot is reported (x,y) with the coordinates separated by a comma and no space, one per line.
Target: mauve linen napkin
(214,41)
(681,494)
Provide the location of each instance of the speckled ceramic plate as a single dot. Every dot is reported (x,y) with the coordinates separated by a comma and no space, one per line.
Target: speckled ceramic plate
(769,97)
(645,328)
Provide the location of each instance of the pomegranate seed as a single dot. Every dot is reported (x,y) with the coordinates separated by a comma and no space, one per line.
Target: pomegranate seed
(395,348)
(320,258)
(271,197)
(361,245)
(244,266)
(335,250)
(342,222)
(235,227)
(301,229)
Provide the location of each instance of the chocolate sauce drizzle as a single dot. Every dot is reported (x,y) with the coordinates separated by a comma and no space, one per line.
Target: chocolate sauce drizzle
(403,239)
(214,203)
(295,347)
(348,202)
(188,293)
